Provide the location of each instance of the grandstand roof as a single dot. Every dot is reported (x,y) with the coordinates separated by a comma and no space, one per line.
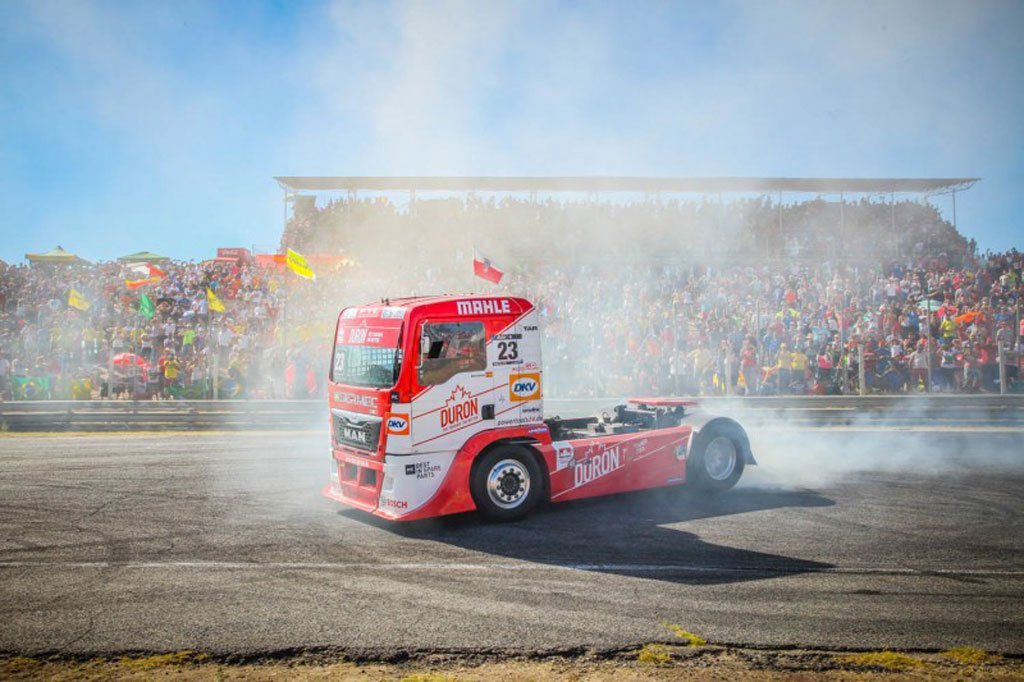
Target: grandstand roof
(594,183)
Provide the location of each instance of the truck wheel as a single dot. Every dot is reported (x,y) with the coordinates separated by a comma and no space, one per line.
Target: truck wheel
(506,483)
(717,458)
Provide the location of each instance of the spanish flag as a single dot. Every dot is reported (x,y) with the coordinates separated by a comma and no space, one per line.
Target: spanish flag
(214,302)
(299,266)
(75,300)
(136,283)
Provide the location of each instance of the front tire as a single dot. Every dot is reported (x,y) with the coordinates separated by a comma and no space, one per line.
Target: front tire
(718,456)
(506,483)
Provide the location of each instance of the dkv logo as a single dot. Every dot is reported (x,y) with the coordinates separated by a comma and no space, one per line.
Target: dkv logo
(524,386)
(398,425)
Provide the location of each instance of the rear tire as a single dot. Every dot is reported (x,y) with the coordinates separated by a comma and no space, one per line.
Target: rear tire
(506,483)
(718,456)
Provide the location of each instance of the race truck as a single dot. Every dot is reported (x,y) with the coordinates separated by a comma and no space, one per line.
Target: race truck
(437,407)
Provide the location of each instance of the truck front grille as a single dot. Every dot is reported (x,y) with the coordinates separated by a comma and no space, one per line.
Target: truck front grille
(360,431)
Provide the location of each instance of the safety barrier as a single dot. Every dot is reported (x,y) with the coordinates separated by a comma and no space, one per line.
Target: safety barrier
(145,415)
(127,415)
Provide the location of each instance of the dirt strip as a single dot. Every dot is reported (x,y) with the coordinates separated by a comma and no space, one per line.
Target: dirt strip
(651,662)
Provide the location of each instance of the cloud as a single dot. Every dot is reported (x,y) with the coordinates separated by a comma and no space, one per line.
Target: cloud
(176,115)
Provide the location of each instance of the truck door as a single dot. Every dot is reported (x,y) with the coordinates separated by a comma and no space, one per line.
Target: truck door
(513,356)
(453,391)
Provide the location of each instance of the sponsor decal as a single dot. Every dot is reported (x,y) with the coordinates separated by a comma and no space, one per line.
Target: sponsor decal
(392,313)
(524,386)
(367,336)
(355,399)
(349,313)
(482,307)
(423,470)
(681,451)
(595,467)
(396,504)
(351,460)
(531,365)
(398,425)
(511,422)
(507,337)
(531,409)
(539,429)
(640,447)
(459,409)
(563,454)
(529,328)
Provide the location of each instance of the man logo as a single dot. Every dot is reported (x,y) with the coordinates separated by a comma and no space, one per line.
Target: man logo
(524,386)
(398,425)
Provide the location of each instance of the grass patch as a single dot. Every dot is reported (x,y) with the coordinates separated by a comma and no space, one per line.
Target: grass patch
(690,638)
(431,677)
(654,654)
(15,664)
(172,660)
(885,659)
(971,656)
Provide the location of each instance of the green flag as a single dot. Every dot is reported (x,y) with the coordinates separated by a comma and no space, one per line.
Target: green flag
(146,307)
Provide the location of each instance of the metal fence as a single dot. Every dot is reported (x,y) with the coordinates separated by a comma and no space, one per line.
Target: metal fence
(277,415)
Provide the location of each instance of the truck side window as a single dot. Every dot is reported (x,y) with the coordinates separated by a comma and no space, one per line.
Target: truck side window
(447,348)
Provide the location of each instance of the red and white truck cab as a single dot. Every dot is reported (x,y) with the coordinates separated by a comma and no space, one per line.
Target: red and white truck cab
(437,408)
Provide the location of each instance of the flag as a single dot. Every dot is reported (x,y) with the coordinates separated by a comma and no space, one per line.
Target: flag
(136,283)
(75,300)
(147,270)
(214,302)
(298,265)
(485,269)
(146,307)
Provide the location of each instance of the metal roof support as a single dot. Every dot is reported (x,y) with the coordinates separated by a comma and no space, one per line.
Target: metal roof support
(892,221)
(782,234)
(624,184)
(954,208)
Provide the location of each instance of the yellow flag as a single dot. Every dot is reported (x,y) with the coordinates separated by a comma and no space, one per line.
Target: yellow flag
(299,266)
(75,300)
(214,302)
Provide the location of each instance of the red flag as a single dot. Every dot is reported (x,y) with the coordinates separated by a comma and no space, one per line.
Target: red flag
(147,270)
(484,268)
(141,282)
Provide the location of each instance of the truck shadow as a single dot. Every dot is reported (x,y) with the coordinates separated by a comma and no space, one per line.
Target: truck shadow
(628,534)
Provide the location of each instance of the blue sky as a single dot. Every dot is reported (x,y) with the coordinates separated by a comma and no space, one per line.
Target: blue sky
(151,125)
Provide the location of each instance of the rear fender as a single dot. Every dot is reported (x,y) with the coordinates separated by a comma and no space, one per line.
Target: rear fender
(700,420)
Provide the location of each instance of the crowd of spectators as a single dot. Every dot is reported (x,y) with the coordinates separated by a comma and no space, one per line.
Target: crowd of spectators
(51,349)
(802,329)
(647,297)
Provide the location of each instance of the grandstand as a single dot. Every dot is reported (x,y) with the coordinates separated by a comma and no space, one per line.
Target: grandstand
(740,219)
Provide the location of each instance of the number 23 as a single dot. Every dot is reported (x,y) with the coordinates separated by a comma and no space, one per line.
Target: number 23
(508,350)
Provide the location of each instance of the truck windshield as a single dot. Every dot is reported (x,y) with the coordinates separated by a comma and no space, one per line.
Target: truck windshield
(370,366)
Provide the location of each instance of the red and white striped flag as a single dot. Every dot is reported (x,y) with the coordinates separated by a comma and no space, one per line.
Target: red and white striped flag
(146,270)
(485,269)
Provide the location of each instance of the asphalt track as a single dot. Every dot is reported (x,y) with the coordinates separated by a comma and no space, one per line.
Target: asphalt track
(222,543)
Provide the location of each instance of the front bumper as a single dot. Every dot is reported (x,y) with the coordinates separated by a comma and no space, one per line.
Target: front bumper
(402,487)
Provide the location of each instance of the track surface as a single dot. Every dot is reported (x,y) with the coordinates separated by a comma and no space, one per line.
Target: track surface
(222,543)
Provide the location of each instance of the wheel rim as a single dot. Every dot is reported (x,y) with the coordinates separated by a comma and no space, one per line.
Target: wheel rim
(720,458)
(508,483)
